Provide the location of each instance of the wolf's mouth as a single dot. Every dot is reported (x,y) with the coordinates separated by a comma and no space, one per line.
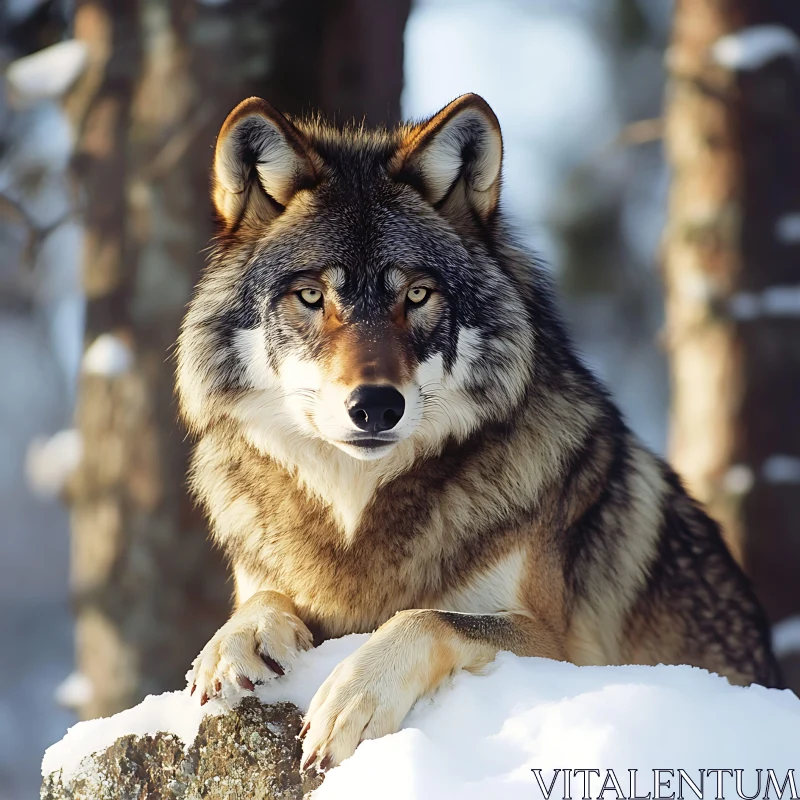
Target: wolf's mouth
(370,443)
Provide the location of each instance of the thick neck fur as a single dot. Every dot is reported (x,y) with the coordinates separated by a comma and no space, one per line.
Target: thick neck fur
(552,423)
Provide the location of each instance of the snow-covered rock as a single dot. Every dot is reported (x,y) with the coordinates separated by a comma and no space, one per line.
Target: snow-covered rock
(251,753)
(509,734)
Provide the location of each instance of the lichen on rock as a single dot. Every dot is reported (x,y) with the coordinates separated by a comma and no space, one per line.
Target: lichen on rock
(249,753)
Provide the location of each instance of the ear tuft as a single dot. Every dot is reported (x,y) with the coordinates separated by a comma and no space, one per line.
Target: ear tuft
(260,162)
(455,157)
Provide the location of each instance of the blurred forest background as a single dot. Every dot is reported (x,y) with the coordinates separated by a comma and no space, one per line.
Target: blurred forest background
(652,158)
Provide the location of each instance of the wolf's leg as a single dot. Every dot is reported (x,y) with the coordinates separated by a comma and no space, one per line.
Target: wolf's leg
(258,642)
(371,691)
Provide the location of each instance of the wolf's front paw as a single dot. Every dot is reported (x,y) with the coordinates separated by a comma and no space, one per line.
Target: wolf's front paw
(354,704)
(367,696)
(256,644)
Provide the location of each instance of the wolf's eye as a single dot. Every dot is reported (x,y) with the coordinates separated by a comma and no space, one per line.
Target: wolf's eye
(418,295)
(311,297)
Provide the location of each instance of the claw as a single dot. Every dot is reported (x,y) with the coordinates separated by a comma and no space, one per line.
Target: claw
(324,764)
(204,699)
(273,665)
(304,730)
(191,692)
(309,762)
(245,682)
(217,685)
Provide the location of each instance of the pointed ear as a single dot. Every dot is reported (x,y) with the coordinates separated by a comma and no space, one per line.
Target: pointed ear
(260,162)
(454,158)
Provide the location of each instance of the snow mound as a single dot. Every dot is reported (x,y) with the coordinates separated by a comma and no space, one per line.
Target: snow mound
(483,736)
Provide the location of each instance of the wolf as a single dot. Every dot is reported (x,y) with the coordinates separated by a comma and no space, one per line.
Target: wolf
(395,435)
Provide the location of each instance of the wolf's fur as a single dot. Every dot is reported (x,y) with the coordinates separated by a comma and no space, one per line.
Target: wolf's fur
(510,508)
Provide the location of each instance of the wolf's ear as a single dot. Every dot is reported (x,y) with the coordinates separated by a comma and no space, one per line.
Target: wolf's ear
(260,162)
(454,158)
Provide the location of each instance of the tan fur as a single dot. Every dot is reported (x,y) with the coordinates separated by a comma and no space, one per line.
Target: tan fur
(357,357)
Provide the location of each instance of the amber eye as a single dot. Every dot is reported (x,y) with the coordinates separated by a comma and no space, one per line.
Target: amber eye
(311,297)
(417,295)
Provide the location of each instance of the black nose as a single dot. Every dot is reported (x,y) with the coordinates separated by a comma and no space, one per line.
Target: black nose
(375,408)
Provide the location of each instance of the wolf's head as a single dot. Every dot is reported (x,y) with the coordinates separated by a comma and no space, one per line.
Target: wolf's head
(357,296)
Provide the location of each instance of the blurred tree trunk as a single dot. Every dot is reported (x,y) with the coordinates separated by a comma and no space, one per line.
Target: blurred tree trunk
(163,74)
(733,306)
(362,60)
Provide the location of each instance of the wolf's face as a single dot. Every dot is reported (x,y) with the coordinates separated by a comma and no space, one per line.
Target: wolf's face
(352,299)
(349,343)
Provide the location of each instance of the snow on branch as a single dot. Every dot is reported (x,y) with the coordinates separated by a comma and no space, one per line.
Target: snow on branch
(786,637)
(107,355)
(49,463)
(781,469)
(776,301)
(787,228)
(751,48)
(49,73)
(777,469)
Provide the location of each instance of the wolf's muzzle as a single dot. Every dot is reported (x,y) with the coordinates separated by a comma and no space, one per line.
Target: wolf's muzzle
(375,408)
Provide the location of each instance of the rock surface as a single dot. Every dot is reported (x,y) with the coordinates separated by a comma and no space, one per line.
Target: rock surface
(250,753)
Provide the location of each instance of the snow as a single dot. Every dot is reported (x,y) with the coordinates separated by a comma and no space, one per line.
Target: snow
(47,74)
(739,479)
(50,462)
(74,691)
(777,469)
(787,228)
(781,301)
(751,48)
(59,293)
(107,355)
(42,141)
(776,301)
(173,712)
(482,736)
(786,636)
(181,714)
(781,469)
(745,306)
